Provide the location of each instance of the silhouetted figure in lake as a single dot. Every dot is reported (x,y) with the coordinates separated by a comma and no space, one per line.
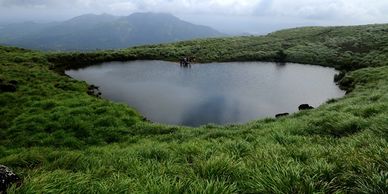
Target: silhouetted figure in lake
(185,62)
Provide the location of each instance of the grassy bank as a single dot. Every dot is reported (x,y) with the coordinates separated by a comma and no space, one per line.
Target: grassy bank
(345,48)
(61,140)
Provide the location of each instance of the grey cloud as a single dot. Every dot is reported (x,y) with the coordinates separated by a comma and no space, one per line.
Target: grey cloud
(287,12)
(296,8)
(34,3)
(263,7)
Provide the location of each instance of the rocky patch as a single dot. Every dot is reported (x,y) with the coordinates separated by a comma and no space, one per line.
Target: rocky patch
(305,107)
(282,115)
(7,178)
(94,91)
(8,86)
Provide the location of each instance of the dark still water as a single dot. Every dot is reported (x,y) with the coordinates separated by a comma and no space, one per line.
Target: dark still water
(218,93)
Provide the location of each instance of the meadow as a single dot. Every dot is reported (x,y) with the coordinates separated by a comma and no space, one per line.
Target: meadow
(59,139)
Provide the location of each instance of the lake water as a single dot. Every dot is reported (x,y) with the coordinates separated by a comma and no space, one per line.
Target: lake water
(219,93)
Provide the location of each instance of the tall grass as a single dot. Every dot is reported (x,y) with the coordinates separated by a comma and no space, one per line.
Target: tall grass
(61,140)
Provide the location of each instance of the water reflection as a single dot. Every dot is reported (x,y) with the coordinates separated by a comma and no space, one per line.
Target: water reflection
(211,93)
(210,111)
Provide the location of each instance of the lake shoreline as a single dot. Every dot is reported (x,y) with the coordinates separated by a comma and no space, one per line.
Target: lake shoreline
(142,84)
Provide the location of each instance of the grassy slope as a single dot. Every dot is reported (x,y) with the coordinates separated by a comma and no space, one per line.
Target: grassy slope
(62,140)
(345,48)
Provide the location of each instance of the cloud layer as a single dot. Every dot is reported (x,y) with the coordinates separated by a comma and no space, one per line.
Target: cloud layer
(302,8)
(320,11)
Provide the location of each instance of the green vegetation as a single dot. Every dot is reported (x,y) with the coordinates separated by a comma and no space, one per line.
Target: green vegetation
(61,140)
(345,48)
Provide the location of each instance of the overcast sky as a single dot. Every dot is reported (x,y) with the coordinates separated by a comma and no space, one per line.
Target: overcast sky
(230,16)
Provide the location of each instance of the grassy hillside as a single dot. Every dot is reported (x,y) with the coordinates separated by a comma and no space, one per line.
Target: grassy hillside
(346,48)
(61,140)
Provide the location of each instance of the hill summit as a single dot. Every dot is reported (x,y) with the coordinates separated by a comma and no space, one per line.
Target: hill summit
(90,32)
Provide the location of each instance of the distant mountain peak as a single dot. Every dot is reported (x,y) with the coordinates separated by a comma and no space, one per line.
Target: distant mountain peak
(153,14)
(104,31)
(92,15)
(92,18)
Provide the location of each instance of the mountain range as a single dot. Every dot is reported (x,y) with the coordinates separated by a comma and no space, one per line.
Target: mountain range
(91,32)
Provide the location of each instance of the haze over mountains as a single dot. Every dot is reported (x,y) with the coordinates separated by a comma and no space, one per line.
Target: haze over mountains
(91,32)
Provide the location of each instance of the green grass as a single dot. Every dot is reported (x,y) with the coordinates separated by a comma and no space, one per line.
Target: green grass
(61,140)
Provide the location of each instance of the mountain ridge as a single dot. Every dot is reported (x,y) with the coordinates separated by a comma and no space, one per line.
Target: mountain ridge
(104,31)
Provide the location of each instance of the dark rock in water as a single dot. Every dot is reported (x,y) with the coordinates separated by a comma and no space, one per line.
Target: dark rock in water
(145,119)
(94,91)
(338,77)
(93,87)
(305,107)
(282,115)
(7,87)
(7,178)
